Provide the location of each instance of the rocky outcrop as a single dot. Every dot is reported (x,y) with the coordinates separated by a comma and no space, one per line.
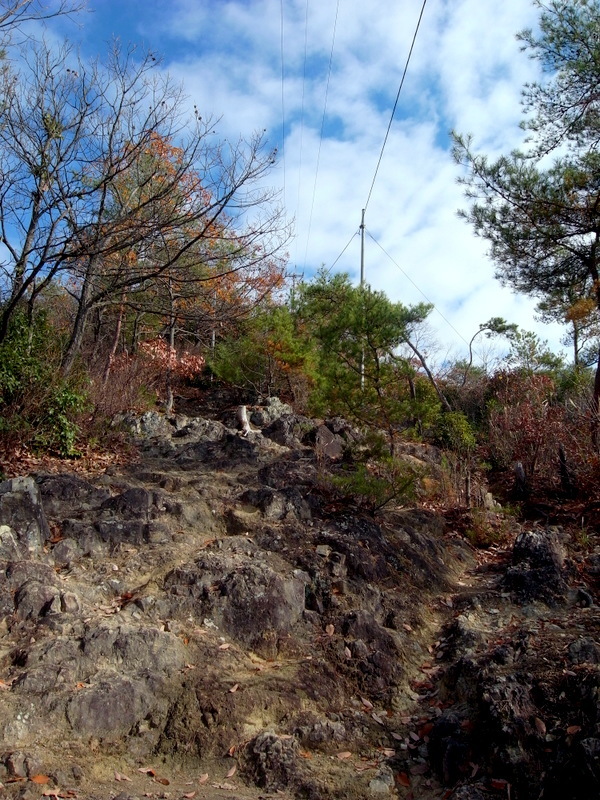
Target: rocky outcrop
(537,571)
(217,617)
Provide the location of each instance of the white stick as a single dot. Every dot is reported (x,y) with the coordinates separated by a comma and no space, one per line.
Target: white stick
(242,418)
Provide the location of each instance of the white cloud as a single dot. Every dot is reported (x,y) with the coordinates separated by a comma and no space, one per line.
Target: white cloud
(466,73)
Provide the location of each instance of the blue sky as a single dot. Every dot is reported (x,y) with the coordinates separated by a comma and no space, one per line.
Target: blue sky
(263,64)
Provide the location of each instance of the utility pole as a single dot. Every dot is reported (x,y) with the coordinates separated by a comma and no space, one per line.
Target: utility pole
(294,276)
(362,282)
(362,248)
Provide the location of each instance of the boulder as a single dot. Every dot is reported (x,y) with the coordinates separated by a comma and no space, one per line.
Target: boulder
(289,430)
(23,524)
(67,495)
(272,762)
(273,408)
(537,571)
(247,599)
(109,708)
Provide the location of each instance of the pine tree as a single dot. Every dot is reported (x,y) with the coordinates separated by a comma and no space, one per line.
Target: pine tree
(539,208)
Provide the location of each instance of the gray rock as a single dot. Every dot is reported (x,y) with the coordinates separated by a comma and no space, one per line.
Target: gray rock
(66,552)
(133,649)
(289,430)
(329,444)
(69,603)
(269,412)
(590,751)
(383,782)
(537,571)
(34,599)
(467,793)
(250,601)
(65,495)
(151,424)
(108,708)
(584,651)
(278,504)
(9,544)
(130,504)
(21,511)
(272,762)
(16,764)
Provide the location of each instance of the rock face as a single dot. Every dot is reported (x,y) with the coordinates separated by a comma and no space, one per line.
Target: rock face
(218,612)
(23,525)
(538,567)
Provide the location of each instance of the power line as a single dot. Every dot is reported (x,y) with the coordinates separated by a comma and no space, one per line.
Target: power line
(396,102)
(312,206)
(282,99)
(342,253)
(406,275)
(302,108)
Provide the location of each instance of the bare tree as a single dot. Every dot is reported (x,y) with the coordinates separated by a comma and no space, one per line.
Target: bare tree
(15,13)
(88,197)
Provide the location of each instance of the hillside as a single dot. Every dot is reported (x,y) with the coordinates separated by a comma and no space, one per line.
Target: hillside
(214,621)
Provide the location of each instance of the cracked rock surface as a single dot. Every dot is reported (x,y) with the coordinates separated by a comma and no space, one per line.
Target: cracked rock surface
(211,622)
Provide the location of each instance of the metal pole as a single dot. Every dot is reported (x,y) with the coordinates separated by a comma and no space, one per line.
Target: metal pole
(362,248)
(362,281)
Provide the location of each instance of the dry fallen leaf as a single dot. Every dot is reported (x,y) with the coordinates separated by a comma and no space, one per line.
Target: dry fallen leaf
(397,736)
(231,772)
(329,630)
(120,777)
(203,778)
(388,752)
(189,795)
(224,646)
(403,779)
(573,729)
(163,781)
(147,770)
(366,703)
(234,688)
(407,627)
(344,755)
(377,719)
(40,779)
(347,652)
(540,726)
(364,765)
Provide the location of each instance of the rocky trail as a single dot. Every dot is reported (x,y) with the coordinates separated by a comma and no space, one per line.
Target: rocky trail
(213,622)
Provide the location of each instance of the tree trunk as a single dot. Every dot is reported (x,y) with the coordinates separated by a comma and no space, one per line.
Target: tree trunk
(115,344)
(442,398)
(76,339)
(596,408)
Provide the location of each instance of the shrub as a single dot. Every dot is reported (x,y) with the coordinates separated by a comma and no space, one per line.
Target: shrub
(377,482)
(454,432)
(38,407)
